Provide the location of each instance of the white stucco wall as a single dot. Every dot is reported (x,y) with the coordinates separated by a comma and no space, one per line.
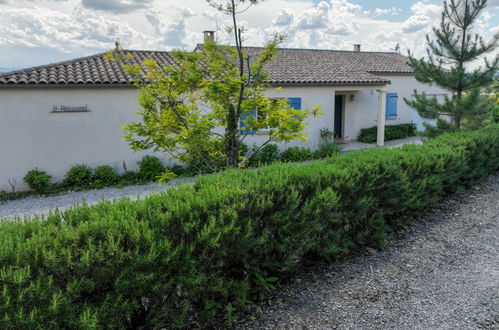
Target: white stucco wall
(310,97)
(362,111)
(31,136)
(405,86)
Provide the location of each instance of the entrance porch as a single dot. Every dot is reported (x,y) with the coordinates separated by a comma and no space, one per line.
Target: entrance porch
(357,108)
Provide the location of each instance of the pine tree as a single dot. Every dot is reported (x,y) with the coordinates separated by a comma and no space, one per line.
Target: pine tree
(447,65)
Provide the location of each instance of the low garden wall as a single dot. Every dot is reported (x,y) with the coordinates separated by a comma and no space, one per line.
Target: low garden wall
(194,255)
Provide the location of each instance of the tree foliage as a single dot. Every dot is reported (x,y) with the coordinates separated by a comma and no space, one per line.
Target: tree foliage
(447,65)
(493,90)
(194,109)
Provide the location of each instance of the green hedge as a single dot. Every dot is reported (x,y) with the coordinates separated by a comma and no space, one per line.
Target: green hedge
(193,255)
(392,132)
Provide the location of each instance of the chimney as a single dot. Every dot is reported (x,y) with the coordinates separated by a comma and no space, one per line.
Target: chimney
(209,36)
(356,48)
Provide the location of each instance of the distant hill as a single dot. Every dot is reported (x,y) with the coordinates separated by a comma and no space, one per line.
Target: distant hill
(8,69)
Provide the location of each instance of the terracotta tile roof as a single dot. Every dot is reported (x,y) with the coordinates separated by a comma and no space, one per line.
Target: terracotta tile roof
(90,70)
(292,66)
(333,67)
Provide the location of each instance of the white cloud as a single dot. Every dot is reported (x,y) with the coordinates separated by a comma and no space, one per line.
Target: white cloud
(424,15)
(387,11)
(324,25)
(66,27)
(186,11)
(315,18)
(284,18)
(117,6)
(65,33)
(172,33)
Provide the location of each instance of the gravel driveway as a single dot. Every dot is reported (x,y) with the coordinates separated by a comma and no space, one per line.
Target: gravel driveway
(43,204)
(443,274)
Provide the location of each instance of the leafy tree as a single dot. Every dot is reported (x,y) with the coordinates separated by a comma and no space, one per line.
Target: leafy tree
(200,107)
(448,58)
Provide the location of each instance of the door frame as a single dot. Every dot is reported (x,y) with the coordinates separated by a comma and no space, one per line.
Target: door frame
(342,110)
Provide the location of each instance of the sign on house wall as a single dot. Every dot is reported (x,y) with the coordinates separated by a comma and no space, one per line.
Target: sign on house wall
(66,108)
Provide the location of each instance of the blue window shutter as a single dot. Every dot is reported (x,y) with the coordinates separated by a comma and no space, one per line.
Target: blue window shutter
(391,106)
(295,102)
(242,122)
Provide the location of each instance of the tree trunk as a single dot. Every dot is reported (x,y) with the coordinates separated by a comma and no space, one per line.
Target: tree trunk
(458,122)
(232,139)
(457,111)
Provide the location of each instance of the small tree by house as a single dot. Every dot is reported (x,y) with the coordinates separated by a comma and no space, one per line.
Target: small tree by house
(447,65)
(202,108)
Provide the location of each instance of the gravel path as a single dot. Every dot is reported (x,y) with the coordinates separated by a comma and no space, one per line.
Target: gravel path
(30,206)
(443,274)
(43,204)
(355,145)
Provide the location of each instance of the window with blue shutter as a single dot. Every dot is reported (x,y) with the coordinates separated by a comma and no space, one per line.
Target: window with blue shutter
(295,102)
(242,123)
(391,105)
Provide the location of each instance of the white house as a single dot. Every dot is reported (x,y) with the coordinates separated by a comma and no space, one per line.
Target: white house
(58,115)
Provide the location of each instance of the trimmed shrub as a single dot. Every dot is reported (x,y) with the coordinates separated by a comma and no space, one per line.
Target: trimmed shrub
(328,148)
(38,180)
(177,169)
(266,155)
(131,178)
(392,132)
(150,167)
(297,154)
(105,176)
(79,176)
(196,167)
(191,255)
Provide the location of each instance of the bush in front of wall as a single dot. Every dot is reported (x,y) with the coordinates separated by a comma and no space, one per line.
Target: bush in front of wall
(105,176)
(150,167)
(191,254)
(297,154)
(79,176)
(131,178)
(177,170)
(38,180)
(328,148)
(266,155)
(392,132)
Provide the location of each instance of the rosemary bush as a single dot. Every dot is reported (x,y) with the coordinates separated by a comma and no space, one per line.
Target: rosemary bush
(199,253)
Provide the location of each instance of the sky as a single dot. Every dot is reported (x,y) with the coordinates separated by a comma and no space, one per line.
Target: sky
(36,32)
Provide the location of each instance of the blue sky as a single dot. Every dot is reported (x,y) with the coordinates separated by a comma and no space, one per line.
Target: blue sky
(373,4)
(405,5)
(35,32)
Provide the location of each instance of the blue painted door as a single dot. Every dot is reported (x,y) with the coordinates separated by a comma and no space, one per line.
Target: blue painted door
(338,116)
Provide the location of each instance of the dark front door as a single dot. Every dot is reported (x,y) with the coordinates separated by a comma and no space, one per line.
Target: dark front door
(338,116)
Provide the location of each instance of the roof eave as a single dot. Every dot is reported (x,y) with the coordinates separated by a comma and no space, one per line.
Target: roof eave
(395,73)
(66,85)
(377,83)
(387,82)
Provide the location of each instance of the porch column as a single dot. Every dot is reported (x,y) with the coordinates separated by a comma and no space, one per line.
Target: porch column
(381,117)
